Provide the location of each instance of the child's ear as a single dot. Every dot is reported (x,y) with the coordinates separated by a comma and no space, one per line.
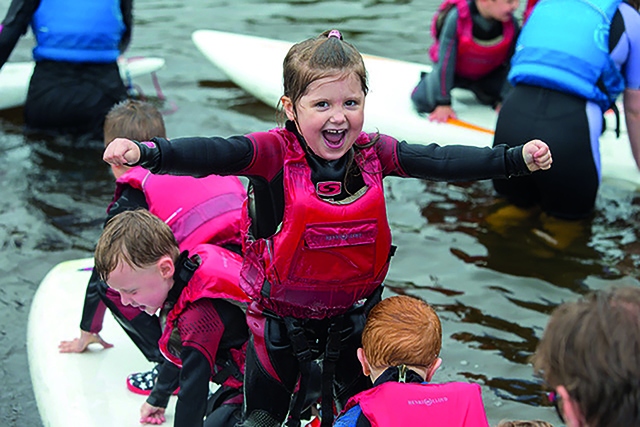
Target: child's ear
(166,267)
(366,368)
(432,370)
(569,407)
(287,105)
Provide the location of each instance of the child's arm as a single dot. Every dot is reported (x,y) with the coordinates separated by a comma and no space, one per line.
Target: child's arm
(14,25)
(196,156)
(153,409)
(466,163)
(445,68)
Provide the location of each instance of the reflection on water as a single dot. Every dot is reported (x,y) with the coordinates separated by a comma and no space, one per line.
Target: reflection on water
(493,285)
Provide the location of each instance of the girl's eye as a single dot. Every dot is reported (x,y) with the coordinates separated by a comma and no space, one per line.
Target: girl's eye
(322,104)
(351,103)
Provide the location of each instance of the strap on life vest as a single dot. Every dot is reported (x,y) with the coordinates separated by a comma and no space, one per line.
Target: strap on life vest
(229,368)
(303,353)
(331,354)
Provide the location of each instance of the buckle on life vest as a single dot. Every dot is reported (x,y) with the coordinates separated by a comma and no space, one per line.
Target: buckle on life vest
(298,341)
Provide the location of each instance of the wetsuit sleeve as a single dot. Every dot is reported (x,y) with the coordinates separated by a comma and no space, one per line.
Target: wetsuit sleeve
(14,25)
(201,330)
(194,389)
(167,381)
(445,68)
(460,162)
(94,309)
(126,6)
(197,157)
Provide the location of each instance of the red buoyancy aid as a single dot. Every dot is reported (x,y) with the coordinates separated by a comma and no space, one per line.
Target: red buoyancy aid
(216,278)
(473,60)
(198,210)
(327,255)
(454,404)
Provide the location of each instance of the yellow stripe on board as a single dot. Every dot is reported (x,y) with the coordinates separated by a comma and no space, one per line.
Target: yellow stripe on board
(468,125)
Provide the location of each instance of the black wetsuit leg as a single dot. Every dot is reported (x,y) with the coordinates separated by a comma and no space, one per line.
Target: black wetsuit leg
(568,189)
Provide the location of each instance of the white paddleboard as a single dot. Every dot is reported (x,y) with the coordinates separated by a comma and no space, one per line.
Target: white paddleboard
(87,389)
(15,76)
(388,107)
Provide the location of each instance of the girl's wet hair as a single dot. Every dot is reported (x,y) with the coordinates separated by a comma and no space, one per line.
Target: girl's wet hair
(323,56)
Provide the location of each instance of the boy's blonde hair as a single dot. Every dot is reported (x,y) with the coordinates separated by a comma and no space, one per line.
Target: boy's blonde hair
(402,330)
(136,237)
(133,119)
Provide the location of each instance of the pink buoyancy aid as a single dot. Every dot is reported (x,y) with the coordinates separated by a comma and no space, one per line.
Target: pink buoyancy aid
(327,255)
(198,210)
(215,278)
(391,404)
(473,60)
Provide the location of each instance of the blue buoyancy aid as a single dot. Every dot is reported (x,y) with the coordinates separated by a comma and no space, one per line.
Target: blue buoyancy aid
(565,46)
(78,31)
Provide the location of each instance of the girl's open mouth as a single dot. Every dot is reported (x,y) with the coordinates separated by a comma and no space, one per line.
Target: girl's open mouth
(334,138)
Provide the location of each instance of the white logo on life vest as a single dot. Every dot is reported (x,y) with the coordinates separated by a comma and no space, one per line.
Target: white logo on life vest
(428,401)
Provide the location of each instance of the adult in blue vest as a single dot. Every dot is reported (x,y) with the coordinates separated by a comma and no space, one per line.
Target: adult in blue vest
(573,59)
(76,79)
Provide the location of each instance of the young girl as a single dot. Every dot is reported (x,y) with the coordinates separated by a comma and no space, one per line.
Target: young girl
(317,242)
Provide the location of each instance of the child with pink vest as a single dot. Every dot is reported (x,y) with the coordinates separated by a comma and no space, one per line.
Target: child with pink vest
(401,342)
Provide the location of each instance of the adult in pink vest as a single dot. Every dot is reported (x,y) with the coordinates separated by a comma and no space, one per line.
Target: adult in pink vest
(473,42)
(401,342)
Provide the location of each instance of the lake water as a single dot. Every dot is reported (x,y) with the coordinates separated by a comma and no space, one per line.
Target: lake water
(492,287)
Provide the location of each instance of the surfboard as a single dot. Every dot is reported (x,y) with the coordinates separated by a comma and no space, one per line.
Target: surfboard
(87,389)
(15,76)
(388,107)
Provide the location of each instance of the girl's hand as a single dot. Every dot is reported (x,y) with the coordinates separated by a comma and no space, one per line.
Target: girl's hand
(121,152)
(537,155)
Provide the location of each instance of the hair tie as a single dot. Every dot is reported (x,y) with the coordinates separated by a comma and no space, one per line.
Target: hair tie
(335,33)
